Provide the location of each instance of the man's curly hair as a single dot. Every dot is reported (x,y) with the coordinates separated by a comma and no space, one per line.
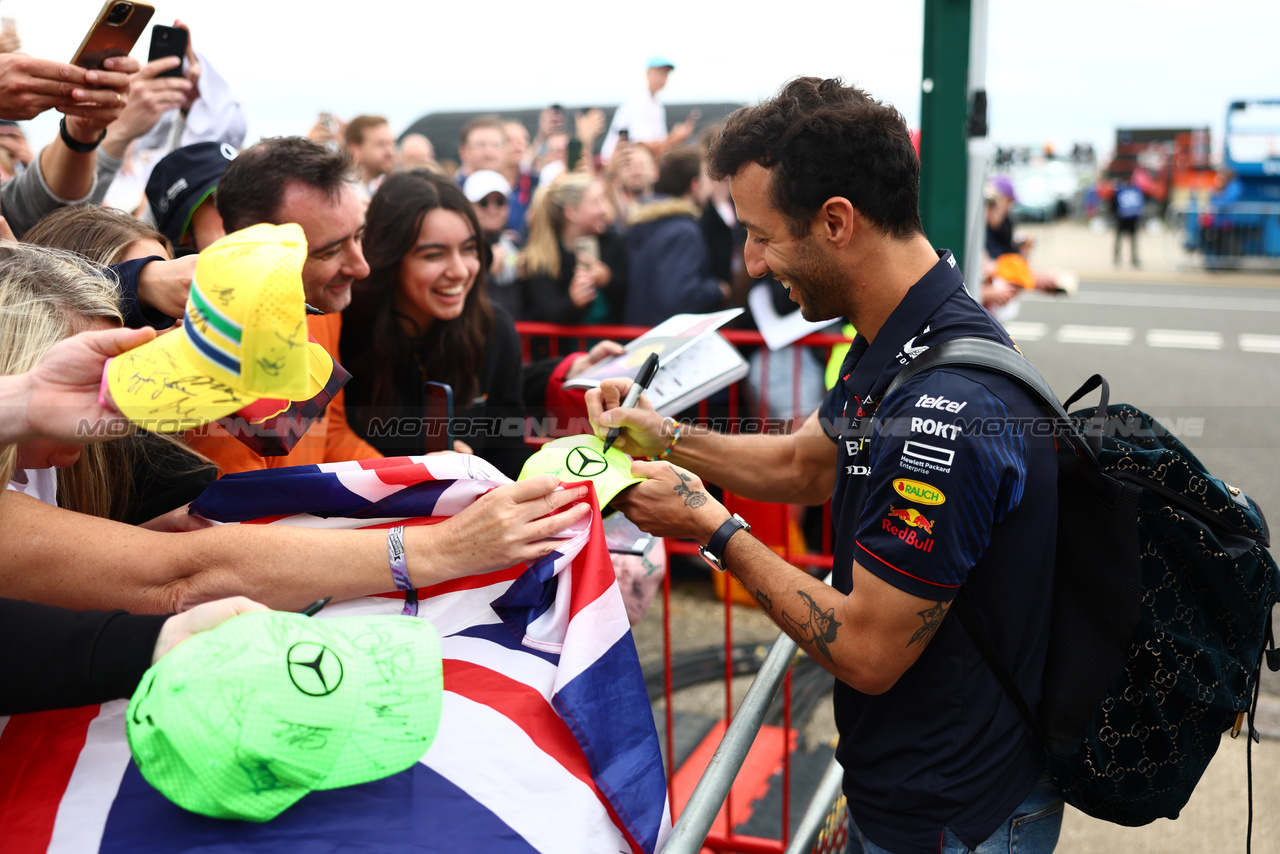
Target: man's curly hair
(824,139)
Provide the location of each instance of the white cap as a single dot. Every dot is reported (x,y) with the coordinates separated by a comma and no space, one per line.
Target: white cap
(482,183)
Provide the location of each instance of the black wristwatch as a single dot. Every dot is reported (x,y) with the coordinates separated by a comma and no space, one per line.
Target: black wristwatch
(713,551)
(76,145)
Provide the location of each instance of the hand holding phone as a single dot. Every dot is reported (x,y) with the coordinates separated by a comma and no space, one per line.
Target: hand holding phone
(114,32)
(588,248)
(168,41)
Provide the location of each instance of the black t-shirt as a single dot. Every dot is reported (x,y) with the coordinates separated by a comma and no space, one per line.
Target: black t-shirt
(492,422)
(948,491)
(1000,239)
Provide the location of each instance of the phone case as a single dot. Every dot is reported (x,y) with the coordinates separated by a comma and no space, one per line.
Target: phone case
(588,246)
(168,41)
(106,39)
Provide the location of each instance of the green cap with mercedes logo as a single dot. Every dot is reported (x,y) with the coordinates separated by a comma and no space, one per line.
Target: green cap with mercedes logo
(244,720)
(583,457)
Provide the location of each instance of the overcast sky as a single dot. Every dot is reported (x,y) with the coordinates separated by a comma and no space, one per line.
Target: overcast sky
(1056,71)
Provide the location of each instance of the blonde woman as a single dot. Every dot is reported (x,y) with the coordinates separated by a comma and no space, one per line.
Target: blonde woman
(144,479)
(574,263)
(56,297)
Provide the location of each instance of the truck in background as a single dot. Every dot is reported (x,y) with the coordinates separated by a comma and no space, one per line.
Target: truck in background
(1237,224)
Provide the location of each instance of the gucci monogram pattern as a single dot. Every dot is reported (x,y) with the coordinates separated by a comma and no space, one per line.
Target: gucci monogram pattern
(1208,584)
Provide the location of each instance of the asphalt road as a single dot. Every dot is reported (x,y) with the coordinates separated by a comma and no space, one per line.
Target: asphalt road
(1204,360)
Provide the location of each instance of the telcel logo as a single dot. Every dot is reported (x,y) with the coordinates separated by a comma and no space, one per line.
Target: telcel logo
(920,493)
(940,402)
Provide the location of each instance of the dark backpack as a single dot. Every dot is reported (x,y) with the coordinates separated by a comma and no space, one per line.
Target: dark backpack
(1163,591)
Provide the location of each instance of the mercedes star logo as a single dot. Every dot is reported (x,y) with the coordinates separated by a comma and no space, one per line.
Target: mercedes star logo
(314,669)
(585,462)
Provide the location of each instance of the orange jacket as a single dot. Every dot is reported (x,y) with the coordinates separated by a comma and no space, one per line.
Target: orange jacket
(330,439)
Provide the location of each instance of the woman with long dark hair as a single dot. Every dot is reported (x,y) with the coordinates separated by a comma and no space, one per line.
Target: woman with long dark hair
(424,314)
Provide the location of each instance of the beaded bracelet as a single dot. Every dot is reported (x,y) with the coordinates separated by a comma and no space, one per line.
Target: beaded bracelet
(675,437)
(399,571)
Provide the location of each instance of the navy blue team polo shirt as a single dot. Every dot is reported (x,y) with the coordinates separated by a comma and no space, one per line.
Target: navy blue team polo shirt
(955,486)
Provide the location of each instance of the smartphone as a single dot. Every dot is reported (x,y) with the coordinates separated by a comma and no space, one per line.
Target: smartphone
(588,246)
(168,41)
(114,33)
(624,135)
(573,155)
(437,420)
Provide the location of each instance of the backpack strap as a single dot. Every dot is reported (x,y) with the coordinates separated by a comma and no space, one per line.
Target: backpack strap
(993,356)
(997,358)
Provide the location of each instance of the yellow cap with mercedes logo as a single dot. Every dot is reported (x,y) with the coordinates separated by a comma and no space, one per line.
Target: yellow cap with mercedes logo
(583,457)
(244,720)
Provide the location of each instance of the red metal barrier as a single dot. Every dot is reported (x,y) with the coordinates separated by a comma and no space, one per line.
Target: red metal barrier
(772,523)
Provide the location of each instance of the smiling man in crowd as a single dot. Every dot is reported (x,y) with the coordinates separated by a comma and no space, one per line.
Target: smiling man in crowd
(293,179)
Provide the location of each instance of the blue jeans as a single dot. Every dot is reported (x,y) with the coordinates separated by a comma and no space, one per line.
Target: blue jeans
(1032,829)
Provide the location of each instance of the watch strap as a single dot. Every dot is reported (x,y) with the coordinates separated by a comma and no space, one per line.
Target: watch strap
(715,547)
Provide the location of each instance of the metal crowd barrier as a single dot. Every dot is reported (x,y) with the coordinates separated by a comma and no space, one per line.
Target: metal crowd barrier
(822,828)
(1231,235)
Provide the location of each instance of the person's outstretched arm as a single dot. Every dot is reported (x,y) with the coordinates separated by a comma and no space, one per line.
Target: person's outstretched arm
(67,559)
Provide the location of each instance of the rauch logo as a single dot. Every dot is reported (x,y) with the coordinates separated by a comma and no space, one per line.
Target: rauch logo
(920,493)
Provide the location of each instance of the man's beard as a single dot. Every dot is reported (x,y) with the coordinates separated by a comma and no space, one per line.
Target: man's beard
(817,282)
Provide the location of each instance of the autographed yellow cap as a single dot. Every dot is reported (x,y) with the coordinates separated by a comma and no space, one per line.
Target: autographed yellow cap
(243,338)
(583,458)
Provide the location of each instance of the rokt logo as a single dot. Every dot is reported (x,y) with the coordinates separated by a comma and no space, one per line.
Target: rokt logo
(920,493)
(314,669)
(934,428)
(584,462)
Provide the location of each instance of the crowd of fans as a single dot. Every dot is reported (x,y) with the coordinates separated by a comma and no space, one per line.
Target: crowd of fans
(417,271)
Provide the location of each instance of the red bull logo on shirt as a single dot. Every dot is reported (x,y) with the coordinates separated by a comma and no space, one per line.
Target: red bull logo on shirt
(920,493)
(913,519)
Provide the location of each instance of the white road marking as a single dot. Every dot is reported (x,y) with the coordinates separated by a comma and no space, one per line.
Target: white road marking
(1190,301)
(1111,335)
(1026,330)
(1184,339)
(1250,343)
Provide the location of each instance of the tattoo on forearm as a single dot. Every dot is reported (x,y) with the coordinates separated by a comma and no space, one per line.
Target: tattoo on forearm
(693,499)
(818,628)
(764,600)
(932,619)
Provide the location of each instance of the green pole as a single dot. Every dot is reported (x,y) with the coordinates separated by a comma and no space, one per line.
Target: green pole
(943,112)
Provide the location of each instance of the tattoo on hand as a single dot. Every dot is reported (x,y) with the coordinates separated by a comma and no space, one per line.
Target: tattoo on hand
(693,499)
(764,600)
(818,628)
(932,619)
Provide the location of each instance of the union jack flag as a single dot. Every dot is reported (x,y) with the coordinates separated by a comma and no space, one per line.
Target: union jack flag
(546,740)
